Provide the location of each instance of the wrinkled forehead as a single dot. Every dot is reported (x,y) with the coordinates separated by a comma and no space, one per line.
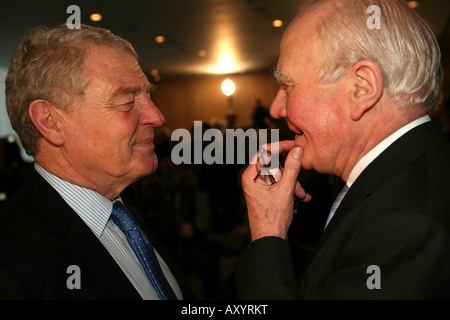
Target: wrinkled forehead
(102,59)
(110,69)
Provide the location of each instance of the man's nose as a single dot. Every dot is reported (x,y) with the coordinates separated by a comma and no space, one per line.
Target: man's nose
(151,115)
(278,107)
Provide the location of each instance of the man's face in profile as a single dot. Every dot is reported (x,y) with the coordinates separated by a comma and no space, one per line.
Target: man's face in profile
(109,137)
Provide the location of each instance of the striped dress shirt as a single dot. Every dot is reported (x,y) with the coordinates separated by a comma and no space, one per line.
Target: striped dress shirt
(95,211)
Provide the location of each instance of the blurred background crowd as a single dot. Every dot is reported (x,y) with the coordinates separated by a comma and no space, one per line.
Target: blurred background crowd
(198,211)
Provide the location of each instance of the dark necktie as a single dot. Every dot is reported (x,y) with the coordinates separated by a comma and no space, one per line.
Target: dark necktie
(143,249)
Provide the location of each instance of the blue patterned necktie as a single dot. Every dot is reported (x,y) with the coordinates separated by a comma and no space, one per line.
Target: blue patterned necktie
(143,249)
(336,204)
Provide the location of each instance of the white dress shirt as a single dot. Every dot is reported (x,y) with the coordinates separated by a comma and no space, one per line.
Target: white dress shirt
(95,210)
(373,154)
(383,145)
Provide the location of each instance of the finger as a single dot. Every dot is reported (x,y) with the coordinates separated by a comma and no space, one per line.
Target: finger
(279,147)
(266,162)
(301,194)
(268,155)
(292,167)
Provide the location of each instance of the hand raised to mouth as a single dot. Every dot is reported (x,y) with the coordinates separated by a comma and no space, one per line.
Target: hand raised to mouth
(271,205)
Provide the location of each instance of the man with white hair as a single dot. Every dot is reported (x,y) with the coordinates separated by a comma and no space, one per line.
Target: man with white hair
(357,98)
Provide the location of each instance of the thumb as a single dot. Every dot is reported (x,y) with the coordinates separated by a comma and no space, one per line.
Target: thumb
(292,166)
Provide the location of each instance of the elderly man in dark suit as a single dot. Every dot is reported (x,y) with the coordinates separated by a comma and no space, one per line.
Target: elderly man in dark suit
(358,79)
(82,108)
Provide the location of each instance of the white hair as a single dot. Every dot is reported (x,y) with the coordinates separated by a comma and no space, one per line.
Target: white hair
(403,46)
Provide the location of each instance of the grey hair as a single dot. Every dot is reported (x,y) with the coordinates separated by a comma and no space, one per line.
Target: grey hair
(48,65)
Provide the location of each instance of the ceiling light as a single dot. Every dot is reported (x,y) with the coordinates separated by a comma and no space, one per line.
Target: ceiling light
(413,4)
(228,87)
(155,75)
(277,23)
(160,39)
(226,64)
(11,139)
(96,17)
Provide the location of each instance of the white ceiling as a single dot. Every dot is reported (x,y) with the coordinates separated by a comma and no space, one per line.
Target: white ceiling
(241,28)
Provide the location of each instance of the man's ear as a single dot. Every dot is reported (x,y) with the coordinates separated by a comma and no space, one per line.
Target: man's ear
(46,120)
(367,87)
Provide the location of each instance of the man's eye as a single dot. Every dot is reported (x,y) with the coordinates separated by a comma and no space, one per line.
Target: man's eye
(126,106)
(130,104)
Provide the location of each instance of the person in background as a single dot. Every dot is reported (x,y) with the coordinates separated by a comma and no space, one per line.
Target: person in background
(357,98)
(81,106)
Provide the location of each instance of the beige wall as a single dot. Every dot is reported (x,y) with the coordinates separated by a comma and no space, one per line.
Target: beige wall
(200,99)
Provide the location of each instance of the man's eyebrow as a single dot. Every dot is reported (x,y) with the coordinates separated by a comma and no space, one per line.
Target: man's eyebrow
(123,91)
(279,76)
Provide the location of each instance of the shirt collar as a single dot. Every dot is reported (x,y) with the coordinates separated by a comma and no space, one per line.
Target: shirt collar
(93,208)
(383,145)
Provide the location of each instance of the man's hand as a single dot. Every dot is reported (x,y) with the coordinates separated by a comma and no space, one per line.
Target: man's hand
(271,207)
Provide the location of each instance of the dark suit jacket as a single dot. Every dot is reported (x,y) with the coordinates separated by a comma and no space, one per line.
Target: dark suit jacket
(396,216)
(41,236)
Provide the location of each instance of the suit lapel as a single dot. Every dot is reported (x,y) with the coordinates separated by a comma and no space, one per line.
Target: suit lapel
(101,277)
(400,154)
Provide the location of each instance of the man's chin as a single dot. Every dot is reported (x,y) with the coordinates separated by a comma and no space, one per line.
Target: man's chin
(150,166)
